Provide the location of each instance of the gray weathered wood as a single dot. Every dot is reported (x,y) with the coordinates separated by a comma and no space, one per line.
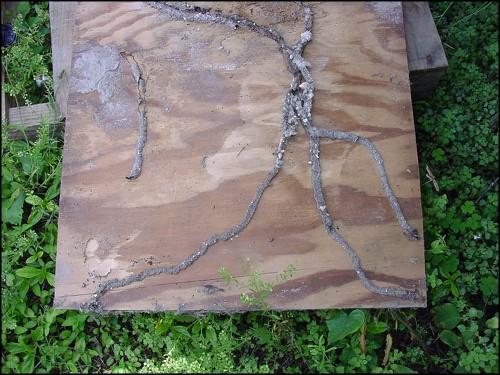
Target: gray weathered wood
(426,57)
(61,25)
(29,118)
(8,10)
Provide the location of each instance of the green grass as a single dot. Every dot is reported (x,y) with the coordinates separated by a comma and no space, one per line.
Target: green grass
(457,134)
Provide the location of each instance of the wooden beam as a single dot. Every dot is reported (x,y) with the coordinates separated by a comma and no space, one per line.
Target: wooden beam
(29,118)
(8,11)
(426,57)
(61,25)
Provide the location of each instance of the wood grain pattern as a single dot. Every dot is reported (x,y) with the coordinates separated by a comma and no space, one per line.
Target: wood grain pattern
(62,19)
(426,57)
(214,100)
(29,118)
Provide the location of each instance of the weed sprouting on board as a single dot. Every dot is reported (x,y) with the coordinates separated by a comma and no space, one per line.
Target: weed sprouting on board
(227,276)
(259,289)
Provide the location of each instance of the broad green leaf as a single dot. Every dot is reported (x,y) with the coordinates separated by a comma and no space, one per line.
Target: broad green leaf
(16,348)
(181,330)
(163,325)
(211,335)
(450,338)
(263,335)
(32,259)
(36,290)
(9,279)
(50,278)
(29,272)
(53,190)
(342,324)
(51,314)
(27,164)
(44,31)
(196,328)
(80,345)
(20,330)
(30,324)
(29,313)
(35,216)
(50,317)
(468,334)
(454,289)
(489,286)
(21,307)
(438,246)
(184,318)
(37,333)
(33,200)
(375,328)
(73,368)
(449,265)
(23,8)
(492,323)
(6,174)
(14,213)
(106,340)
(446,316)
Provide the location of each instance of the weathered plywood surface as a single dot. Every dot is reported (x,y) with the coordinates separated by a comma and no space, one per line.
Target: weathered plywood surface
(214,100)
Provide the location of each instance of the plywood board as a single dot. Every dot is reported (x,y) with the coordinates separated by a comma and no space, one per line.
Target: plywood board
(214,98)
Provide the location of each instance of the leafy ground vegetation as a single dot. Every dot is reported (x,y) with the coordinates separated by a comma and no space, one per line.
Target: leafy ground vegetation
(27,63)
(457,133)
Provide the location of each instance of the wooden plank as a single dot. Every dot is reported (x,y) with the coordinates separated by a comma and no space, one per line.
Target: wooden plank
(61,25)
(426,57)
(8,11)
(29,118)
(214,98)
